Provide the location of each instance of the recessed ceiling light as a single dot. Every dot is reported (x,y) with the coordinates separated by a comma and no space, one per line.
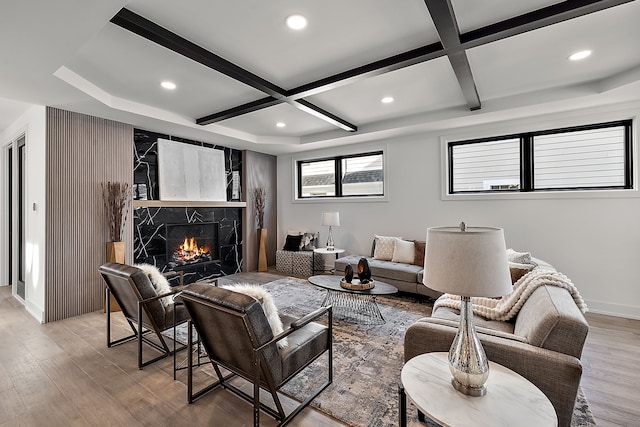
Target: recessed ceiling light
(168,85)
(387,100)
(580,55)
(296,22)
(281,124)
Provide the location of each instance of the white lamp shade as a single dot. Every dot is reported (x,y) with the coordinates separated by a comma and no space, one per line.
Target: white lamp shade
(470,263)
(330,218)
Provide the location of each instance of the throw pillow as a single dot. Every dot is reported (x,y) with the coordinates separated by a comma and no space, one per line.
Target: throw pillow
(292,243)
(518,270)
(159,282)
(384,247)
(404,252)
(421,248)
(519,257)
(308,242)
(268,306)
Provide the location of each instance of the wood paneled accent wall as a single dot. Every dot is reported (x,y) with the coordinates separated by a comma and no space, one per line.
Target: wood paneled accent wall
(82,152)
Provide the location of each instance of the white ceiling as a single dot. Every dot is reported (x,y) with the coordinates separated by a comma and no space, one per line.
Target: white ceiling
(67,54)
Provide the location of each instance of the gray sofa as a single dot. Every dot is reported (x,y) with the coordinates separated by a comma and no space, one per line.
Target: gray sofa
(543,343)
(405,277)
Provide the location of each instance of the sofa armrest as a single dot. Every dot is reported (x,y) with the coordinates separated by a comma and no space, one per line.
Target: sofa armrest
(557,375)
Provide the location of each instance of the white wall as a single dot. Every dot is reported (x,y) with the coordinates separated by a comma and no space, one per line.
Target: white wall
(33,125)
(593,239)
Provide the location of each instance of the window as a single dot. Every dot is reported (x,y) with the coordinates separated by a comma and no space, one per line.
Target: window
(358,175)
(578,158)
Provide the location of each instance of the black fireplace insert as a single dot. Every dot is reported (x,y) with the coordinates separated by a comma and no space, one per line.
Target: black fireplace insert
(193,243)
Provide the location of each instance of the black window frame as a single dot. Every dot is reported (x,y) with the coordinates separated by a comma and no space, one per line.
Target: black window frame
(338,175)
(527,166)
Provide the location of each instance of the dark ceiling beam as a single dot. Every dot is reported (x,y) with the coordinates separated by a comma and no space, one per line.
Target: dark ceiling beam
(151,31)
(143,27)
(540,18)
(376,68)
(249,107)
(510,27)
(444,19)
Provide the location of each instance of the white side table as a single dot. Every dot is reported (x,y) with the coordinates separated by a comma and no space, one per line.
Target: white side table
(322,252)
(510,400)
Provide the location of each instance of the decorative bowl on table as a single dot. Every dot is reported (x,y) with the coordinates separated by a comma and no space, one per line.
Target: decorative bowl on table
(356,285)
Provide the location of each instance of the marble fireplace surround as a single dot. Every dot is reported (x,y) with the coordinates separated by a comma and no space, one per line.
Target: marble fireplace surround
(152,216)
(150,243)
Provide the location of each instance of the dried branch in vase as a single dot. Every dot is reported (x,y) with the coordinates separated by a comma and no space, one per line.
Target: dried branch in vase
(117,199)
(260,202)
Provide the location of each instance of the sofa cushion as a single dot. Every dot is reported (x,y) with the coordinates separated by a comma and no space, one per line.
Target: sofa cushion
(404,251)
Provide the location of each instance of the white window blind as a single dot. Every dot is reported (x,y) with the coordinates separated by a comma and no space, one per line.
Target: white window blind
(586,158)
(491,165)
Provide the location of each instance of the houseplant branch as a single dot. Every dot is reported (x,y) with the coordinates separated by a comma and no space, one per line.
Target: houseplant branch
(117,199)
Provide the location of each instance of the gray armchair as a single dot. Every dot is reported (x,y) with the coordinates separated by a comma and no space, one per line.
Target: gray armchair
(142,308)
(237,337)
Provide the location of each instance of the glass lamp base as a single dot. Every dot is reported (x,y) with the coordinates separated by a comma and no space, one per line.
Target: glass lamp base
(467,361)
(330,245)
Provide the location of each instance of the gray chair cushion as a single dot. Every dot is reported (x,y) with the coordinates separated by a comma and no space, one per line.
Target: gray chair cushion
(304,344)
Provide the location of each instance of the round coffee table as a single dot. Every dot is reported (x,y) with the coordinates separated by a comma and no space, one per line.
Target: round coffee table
(349,304)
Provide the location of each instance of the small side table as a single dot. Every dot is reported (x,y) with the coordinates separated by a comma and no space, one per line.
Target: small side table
(510,400)
(323,251)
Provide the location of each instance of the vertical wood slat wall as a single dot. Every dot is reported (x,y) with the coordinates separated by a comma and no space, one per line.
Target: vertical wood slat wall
(82,152)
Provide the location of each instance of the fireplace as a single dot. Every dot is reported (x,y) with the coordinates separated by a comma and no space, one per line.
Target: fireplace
(191,244)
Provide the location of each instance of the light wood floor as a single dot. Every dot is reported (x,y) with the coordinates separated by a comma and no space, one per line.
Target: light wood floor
(62,374)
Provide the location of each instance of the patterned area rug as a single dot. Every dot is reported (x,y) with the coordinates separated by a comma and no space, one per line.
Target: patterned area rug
(367,359)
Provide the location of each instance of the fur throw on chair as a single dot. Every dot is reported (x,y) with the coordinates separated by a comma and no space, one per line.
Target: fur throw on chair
(268,306)
(159,282)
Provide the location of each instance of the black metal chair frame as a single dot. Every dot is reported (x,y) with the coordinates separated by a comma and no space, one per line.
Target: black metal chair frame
(258,359)
(140,331)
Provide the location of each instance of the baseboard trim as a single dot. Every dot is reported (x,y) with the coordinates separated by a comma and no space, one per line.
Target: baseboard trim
(617,310)
(35,311)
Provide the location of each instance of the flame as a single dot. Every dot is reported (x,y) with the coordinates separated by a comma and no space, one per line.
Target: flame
(189,249)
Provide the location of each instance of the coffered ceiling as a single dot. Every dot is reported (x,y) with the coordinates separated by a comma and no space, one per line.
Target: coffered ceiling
(239,70)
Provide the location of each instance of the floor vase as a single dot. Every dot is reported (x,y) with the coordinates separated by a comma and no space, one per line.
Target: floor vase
(115,253)
(262,249)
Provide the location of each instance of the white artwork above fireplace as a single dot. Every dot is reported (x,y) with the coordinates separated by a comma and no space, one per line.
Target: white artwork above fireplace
(191,173)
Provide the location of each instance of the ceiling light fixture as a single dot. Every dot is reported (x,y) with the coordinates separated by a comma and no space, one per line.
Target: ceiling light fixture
(296,22)
(580,55)
(387,100)
(281,124)
(168,85)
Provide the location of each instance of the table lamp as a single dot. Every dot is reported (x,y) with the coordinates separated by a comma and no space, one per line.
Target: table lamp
(467,262)
(330,219)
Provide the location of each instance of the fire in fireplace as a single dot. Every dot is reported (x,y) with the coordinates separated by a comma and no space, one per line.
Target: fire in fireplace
(189,252)
(189,244)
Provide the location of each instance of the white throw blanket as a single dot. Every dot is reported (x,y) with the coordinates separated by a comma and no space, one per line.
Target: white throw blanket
(508,306)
